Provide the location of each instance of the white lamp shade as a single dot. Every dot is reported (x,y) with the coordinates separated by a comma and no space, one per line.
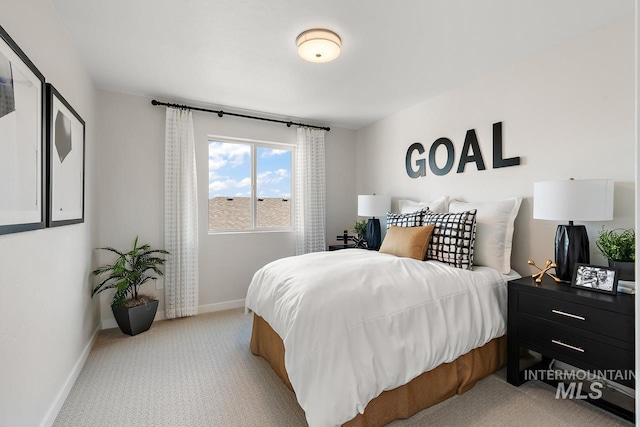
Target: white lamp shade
(573,200)
(373,205)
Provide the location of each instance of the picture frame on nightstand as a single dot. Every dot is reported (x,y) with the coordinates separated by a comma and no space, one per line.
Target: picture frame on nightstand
(595,278)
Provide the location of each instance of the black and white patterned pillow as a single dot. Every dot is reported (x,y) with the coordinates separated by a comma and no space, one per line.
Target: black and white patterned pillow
(453,237)
(413,219)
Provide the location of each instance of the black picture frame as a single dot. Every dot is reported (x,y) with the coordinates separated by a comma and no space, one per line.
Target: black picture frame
(65,161)
(595,278)
(22,170)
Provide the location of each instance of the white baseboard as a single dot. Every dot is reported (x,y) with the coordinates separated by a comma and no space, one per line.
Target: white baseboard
(209,308)
(55,407)
(220,306)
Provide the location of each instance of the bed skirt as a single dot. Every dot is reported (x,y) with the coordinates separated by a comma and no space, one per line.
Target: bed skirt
(425,390)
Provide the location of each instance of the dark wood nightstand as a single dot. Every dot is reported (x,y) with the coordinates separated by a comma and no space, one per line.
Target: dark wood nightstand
(340,246)
(343,246)
(589,330)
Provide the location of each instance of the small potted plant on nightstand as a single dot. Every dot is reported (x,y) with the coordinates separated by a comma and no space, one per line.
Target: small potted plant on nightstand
(619,247)
(133,311)
(360,228)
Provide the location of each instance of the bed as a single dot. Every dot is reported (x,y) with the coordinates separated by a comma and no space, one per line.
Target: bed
(365,337)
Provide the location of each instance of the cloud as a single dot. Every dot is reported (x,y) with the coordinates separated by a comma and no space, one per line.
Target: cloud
(222,154)
(218,186)
(264,177)
(269,152)
(225,184)
(272,177)
(216,163)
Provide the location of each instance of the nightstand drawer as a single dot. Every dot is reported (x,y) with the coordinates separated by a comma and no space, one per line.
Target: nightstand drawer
(604,322)
(586,353)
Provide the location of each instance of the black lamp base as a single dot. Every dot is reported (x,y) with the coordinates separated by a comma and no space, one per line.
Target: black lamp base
(373,235)
(572,247)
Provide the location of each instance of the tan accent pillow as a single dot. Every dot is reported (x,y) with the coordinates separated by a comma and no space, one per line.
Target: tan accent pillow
(410,242)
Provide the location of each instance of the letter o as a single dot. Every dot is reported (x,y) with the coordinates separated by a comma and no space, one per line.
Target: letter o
(432,156)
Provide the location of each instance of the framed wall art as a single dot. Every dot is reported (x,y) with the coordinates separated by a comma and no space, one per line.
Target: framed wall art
(595,278)
(65,163)
(22,95)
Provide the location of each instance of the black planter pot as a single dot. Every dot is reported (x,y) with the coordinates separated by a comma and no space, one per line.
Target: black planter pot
(135,320)
(627,270)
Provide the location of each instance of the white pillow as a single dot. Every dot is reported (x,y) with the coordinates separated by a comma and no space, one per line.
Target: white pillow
(438,205)
(494,233)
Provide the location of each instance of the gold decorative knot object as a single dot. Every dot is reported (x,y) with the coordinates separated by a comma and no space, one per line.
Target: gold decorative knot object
(548,266)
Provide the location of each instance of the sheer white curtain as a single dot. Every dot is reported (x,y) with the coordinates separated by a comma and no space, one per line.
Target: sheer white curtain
(180,216)
(310,191)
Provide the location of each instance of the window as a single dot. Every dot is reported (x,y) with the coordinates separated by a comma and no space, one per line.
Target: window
(249,185)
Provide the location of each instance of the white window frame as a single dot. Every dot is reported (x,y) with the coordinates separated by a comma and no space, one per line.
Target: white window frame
(255,144)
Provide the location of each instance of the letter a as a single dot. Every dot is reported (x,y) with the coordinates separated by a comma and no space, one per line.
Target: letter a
(471,143)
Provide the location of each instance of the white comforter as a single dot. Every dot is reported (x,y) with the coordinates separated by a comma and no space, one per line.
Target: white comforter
(355,323)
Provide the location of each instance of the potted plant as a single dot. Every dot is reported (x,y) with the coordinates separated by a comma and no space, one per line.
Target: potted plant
(133,311)
(360,228)
(619,247)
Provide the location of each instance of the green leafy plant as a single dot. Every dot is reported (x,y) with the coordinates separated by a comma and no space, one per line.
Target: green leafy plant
(617,245)
(360,227)
(128,272)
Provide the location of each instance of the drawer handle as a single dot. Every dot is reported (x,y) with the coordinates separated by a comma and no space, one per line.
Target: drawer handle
(568,346)
(573,316)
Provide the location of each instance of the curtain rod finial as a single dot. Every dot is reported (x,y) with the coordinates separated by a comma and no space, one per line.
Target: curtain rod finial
(154,102)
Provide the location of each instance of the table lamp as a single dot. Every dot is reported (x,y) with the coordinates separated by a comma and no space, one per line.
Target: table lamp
(572,200)
(373,206)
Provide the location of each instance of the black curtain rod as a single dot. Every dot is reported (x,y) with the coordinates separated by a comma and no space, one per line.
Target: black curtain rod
(221,113)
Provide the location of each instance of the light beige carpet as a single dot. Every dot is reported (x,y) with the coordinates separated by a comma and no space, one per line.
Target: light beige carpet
(199,371)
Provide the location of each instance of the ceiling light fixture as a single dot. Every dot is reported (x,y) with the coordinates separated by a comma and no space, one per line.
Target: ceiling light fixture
(318,45)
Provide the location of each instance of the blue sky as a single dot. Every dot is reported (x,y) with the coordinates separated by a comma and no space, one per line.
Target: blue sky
(230,171)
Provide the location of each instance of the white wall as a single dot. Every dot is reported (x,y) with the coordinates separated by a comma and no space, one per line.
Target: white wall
(131,152)
(567,112)
(47,320)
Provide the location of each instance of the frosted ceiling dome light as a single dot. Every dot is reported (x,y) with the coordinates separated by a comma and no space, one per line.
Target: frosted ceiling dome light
(318,45)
